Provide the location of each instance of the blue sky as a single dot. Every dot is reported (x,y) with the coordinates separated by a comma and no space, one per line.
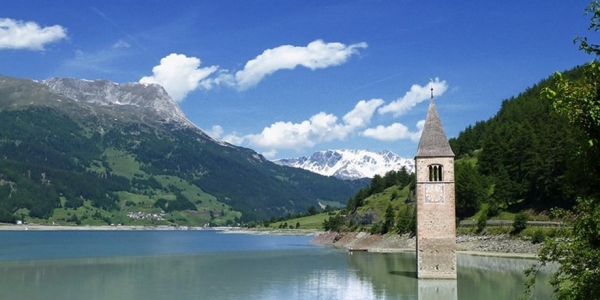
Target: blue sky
(287,78)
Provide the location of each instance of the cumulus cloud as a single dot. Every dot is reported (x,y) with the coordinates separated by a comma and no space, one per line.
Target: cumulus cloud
(316,55)
(414,96)
(362,113)
(15,34)
(321,127)
(394,132)
(288,135)
(324,127)
(179,75)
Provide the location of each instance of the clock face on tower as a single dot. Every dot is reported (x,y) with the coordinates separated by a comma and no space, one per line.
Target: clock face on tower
(434,193)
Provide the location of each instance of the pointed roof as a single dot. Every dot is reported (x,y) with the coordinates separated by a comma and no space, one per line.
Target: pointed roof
(433,141)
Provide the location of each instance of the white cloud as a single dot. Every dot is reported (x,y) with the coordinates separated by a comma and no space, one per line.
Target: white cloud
(234,139)
(15,34)
(321,127)
(216,131)
(391,133)
(316,55)
(222,77)
(362,112)
(179,75)
(269,154)
(288,135)
(416,95)
(325,127)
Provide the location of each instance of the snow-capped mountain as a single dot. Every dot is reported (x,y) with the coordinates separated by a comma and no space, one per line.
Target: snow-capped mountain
(350,164)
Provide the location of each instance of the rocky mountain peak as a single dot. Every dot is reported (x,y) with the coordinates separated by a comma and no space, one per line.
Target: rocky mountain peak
(148,99)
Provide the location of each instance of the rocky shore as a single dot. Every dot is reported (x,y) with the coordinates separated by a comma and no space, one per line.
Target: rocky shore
(492,245)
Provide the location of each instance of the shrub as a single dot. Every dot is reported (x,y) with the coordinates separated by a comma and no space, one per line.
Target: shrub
(376,228)
(333,223)
(482,221)
(407,220)
(538,236)
(388,224)
(520,222)
(493,209)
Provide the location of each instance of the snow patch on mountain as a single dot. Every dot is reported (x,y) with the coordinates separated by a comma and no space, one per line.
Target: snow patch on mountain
(350,164)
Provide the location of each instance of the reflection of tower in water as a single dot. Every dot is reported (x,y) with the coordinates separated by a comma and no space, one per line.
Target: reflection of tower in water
(435,289)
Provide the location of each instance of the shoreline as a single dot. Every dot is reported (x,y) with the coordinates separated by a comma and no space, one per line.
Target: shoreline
(494,246)
(38,227)
(223,229)
(475,245)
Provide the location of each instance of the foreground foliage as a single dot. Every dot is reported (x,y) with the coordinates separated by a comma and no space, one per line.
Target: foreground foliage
(578,273)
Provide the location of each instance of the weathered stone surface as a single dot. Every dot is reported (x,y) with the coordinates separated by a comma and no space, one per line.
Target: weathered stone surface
(436,212)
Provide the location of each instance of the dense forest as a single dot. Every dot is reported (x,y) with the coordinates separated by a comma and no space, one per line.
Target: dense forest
(522,158)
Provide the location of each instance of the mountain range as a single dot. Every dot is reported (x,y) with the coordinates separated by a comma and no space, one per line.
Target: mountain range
(85,151)
(350,164)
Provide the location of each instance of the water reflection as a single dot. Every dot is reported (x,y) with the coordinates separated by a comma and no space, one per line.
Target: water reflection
(257,275)
(478,277)
(392,275)
(301,274)
(431,289)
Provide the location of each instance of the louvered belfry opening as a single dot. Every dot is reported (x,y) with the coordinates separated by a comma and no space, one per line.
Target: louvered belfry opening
(435,172)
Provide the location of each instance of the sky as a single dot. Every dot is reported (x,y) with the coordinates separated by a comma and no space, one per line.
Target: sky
(289,78)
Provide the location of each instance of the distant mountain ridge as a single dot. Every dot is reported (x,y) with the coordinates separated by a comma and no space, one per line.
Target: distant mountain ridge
(350,164)
(98,150)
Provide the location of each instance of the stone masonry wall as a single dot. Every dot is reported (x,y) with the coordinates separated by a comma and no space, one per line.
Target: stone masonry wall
(436,224)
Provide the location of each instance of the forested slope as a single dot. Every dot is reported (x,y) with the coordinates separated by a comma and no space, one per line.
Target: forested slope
(524,154)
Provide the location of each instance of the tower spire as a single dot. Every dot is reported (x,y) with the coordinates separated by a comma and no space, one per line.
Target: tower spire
(434,142)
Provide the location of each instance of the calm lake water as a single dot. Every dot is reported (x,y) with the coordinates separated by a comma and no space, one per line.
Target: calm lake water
(152,265)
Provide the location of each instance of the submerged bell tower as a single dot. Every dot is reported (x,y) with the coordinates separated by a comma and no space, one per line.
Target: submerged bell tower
(436,212)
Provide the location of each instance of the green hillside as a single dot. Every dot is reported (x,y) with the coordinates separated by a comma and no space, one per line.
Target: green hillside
(65,161)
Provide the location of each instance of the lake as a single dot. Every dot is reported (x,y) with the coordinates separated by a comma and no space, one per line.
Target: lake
(213,265)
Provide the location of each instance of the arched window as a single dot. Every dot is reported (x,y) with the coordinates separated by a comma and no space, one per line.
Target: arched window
(435,172)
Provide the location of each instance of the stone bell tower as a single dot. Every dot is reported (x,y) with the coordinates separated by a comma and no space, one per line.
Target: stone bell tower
(436,214)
